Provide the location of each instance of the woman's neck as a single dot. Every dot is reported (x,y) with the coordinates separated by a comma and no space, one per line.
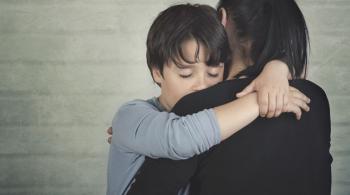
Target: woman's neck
(239,64)
(241,58)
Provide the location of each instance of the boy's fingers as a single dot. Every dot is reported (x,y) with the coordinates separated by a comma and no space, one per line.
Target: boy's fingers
(298,113)
(305,98)
(263,100)
(246,90)
(272,104)
(299,94)
(293,88)
(285,100)
(296,110)
(279,104)
(301,104)
(305,107)
(110,131)
(109,140)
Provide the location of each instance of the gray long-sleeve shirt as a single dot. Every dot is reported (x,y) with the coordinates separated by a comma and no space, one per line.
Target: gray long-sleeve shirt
(142,128)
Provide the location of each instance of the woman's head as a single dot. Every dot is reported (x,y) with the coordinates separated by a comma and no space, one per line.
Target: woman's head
(180,23)
(267,30)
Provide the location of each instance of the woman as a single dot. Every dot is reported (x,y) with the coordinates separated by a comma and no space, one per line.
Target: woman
(269,157)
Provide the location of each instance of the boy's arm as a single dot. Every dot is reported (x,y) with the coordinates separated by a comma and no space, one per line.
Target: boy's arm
(272,88)
(242,119)
(140,128)
(237,114)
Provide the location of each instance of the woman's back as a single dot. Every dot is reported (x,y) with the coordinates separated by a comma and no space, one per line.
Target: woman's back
(269,156)
(273,156)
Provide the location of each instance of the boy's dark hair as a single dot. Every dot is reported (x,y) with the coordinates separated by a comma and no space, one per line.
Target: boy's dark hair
(180,23)
(276,29)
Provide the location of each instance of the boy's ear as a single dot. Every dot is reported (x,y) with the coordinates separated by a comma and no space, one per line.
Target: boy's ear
(223,16)
(157,75)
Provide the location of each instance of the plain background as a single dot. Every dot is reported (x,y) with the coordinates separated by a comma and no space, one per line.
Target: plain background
(67,65)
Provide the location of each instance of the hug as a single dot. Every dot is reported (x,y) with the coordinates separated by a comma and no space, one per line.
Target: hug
(235,114)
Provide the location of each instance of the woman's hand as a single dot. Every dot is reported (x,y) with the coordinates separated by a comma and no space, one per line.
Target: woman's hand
(109,132)
(297,102)
(272,88)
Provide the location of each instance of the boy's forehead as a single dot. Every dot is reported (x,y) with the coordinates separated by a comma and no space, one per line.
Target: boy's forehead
(193,51)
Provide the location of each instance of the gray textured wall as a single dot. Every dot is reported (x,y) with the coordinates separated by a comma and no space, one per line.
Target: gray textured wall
(66,66)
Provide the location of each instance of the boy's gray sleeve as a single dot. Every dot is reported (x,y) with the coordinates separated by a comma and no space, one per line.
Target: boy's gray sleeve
(139,127)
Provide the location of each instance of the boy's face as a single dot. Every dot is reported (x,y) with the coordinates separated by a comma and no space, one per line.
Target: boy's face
(178,81)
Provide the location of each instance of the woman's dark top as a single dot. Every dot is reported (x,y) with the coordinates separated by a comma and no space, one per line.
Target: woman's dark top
(270,156)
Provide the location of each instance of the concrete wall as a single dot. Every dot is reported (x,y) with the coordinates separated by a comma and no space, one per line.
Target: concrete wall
(66,66)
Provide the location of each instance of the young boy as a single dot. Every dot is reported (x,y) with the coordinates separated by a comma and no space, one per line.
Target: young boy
(187,48)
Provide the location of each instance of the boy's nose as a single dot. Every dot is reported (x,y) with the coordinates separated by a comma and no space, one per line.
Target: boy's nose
(200,84)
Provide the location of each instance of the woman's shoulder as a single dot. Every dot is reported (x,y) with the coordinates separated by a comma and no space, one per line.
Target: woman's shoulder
(309,88)
(319,101)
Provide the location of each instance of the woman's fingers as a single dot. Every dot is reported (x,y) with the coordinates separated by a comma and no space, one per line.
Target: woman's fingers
(110,131)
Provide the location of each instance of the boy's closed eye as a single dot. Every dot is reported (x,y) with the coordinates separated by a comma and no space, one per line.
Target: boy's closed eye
(185,76)
(210,74)
(214,71)
(213,74)
(185,72)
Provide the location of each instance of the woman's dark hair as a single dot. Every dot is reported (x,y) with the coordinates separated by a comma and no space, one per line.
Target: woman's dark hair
(276,29)
(180,23)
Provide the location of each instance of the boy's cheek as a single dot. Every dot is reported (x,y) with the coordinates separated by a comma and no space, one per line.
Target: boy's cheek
(220,79)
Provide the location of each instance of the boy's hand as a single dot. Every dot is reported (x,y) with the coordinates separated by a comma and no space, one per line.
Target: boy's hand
(272,88)
(297,102)
(109,132)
